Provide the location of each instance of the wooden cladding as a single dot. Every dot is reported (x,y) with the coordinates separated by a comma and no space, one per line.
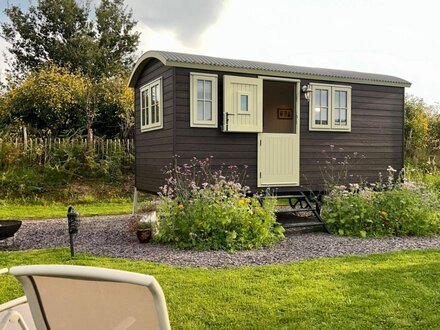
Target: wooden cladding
(376,133)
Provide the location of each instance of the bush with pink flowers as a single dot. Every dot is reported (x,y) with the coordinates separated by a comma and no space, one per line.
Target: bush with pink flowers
(207,208)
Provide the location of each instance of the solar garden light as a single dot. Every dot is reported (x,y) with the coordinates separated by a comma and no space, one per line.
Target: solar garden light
(73,223)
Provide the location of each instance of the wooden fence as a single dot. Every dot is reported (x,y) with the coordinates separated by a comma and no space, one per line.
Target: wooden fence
(45,149)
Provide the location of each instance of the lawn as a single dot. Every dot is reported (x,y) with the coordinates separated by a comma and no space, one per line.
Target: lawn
(394,290)
(14,209)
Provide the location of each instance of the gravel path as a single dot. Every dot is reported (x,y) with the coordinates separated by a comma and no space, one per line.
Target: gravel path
(107,236)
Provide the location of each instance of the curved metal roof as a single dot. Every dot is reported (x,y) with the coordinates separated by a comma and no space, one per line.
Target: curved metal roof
(244,66)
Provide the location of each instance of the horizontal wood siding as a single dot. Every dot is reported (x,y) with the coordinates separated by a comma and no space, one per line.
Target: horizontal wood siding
(376,136)
(154,149)
(225,148)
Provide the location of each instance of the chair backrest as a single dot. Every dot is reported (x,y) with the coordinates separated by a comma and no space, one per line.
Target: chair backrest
(77,297)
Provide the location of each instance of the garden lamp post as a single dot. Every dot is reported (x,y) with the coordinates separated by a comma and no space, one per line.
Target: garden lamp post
(73,223)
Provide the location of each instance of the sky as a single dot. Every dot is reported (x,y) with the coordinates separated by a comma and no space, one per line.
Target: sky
(395,37)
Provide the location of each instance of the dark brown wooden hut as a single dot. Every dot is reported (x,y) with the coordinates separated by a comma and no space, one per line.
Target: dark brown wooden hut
(275,118)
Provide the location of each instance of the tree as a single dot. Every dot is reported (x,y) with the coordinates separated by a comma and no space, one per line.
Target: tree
(56,100)
(422,131)
(117,104)
(51,99)
(60,32)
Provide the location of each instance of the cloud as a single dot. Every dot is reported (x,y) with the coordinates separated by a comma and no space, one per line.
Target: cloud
(187,19)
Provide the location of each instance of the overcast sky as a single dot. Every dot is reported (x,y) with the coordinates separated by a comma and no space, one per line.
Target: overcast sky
(396,37)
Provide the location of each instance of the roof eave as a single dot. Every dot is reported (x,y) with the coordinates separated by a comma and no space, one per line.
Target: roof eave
(148,56)
(142,62)
(286,74)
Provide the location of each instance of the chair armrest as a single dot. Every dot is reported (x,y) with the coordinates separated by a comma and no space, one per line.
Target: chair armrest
(13,303)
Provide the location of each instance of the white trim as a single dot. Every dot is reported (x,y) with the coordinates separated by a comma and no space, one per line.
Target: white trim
(147,87)
(204,74)
(331,88)
(280,79)
(297,130)
(347,127)
(329,85)
(312,125)
(213,78)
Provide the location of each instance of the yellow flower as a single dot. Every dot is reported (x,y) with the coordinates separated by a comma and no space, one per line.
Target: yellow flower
(383,213)
(180,206)
(242,202)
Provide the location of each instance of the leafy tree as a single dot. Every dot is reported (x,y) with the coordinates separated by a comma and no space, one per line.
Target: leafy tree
(61,32)
(117,106)
(56,100)
(51,99)
(422,131)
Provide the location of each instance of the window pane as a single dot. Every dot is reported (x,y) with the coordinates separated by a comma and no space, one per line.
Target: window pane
(317,98)
(208,110)
(337,97)
(157,93)
(324,116)
(143,107)
(147,106)
(337,116)
(343,98)
(157,112)
(324,98)
(199,110)
(343,116)
(208,90)
(153,114)
(317,115)
(200,89)
(153,94)
(244,103)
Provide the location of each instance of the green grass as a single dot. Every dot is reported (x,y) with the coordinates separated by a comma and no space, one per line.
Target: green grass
(43,210)
(388,291)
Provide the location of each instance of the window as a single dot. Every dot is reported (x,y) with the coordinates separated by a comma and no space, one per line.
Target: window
(204,110)
(330,108)
(151,105)
(244,103)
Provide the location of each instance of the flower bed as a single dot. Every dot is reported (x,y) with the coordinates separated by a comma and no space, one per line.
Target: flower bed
(393,208)
(203,208)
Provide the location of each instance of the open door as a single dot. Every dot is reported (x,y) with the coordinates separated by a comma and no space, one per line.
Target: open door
(278,144)
(243,104)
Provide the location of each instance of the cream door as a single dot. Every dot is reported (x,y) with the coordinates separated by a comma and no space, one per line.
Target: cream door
(278,159)
(243,104)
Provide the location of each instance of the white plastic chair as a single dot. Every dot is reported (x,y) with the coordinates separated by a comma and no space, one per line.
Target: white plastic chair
(78,297)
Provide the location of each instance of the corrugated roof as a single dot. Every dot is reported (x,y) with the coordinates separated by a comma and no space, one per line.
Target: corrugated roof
(231,65)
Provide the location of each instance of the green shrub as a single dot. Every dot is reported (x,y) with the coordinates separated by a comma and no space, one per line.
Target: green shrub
(406,209)
(433,182)
(30,182)
(48,166)
(205,209)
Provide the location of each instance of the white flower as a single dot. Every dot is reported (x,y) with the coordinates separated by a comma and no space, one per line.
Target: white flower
(391,169)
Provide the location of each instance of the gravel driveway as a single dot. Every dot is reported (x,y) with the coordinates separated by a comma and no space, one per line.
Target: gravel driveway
(107,236)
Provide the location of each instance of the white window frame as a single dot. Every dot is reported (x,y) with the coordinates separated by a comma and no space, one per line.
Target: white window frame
(313,125)
(331,126)
(213,78)
(147,88)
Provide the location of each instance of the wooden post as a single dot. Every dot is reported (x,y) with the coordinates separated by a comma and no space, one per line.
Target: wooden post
(25,138)
(135,201)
